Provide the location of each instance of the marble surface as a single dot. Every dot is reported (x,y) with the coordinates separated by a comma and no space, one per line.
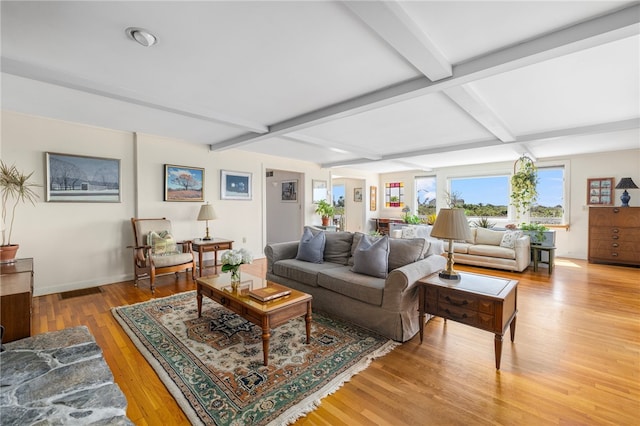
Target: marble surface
(59,378)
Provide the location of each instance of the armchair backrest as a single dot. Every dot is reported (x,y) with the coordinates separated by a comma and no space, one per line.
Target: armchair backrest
(142,227)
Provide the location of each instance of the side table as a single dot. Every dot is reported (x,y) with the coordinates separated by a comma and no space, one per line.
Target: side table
(16,289)
(536,253)
(481,301)
(214,245)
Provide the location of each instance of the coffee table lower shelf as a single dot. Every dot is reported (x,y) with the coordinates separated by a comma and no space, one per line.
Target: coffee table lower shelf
(266,315)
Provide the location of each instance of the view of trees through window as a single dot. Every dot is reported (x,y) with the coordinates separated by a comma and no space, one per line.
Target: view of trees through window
(426,195)
(488,196)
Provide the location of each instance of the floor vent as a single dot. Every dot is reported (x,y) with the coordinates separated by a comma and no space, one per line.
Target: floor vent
(81,292)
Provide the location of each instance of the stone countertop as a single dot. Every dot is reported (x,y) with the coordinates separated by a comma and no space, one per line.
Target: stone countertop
(59,377)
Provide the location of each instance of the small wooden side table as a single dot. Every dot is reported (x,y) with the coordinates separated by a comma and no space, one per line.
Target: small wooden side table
(16,291)
(481,301)
(214,245)
(536,253)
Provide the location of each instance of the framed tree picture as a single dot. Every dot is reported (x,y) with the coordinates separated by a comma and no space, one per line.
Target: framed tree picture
(235,185)
(289,191)
(82,179)
(183,183)
(600,191)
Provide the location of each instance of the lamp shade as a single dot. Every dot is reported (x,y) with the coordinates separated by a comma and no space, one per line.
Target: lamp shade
(451,224)
(626,183)
(206,212)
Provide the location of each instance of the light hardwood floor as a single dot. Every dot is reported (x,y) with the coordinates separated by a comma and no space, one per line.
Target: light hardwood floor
(575,360)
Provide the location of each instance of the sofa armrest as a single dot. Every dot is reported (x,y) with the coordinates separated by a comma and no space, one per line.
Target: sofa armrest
(280,251)
(523,252)
(401,281)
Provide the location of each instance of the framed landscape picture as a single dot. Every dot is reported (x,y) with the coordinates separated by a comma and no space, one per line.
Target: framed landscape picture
(600,191)
(82,179)
(235,185)
(183,183)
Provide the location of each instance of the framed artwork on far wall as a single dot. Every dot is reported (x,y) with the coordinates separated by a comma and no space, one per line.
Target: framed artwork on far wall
(82,179)
(319,190)
(289,191)
(357,195)
(373,197)
(600,191)
(235,185)
(183,183)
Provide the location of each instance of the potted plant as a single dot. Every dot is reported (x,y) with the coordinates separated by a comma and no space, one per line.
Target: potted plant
(539,234)
(524,185)
(14,188)
(325,210)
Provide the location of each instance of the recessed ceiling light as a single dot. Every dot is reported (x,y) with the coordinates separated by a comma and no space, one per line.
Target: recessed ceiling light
(142,36)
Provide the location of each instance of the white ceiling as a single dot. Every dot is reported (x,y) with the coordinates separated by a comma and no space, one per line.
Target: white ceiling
(381,86)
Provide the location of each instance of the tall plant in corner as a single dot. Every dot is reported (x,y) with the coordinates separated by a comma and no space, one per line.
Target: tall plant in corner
(14,189)
(524,184)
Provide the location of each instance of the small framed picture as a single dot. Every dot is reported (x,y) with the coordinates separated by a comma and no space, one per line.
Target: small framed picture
(373,198)
(599,191)
(319,190)
(357,195)
(290,191)
(183,183)
(235,185)
(82,179)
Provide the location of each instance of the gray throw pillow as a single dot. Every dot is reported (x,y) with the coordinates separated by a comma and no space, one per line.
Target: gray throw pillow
(371,256)
(405,251)
(311,247)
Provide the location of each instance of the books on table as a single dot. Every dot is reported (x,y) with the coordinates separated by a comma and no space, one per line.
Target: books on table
(271,292)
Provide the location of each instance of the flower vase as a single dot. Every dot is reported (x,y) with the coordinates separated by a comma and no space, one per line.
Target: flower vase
(235,277)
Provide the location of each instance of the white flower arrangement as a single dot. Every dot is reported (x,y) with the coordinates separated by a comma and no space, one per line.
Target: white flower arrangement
(232,259)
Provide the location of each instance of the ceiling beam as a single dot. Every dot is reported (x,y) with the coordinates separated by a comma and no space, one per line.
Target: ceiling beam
(600,30)
(46,75)
(615,126)
(394,25)
(469,100)
(340,147)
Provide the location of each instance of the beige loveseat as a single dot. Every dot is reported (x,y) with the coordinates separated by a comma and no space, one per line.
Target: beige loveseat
(508,250)
(386,305)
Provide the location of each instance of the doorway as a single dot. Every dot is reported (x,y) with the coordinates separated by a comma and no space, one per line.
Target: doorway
(284,192)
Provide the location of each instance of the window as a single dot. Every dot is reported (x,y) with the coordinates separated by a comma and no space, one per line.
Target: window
(425,195)
(481,196)
(549,208)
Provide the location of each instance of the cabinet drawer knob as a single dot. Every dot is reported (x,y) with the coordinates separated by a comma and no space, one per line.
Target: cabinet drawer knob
(616,245)
(615,230)
(223,300)
(463,316)
(615,237)
(614,254)
(616,210)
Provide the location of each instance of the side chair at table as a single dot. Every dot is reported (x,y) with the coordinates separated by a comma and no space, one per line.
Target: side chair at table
(156,253)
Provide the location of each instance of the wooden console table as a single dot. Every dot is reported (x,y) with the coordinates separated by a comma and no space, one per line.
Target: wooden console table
(214,245)
(16,288)
(481,301)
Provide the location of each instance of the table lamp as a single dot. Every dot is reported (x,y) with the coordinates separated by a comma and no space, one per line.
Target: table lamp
(207,214)
(626,183)
(451,224)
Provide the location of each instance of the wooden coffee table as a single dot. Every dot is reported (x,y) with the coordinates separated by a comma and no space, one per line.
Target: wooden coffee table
(481,301)
(264,314)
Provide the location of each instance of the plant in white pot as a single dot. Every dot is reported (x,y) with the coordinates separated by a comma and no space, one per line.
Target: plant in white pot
(15,188)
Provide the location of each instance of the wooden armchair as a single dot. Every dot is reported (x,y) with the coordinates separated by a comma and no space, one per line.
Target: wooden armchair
(155,252)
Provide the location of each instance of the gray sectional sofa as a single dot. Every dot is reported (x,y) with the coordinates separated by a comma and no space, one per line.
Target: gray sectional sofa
(387,305)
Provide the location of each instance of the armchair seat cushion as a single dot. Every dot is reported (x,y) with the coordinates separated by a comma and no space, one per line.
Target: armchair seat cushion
(160,261)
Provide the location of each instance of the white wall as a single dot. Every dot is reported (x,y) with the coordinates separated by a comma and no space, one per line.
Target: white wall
(80,245)
(572,243)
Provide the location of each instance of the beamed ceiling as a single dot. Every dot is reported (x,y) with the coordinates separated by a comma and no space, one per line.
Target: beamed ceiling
(378,86)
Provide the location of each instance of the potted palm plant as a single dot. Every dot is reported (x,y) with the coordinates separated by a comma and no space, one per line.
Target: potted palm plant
(325,210)
(14,189)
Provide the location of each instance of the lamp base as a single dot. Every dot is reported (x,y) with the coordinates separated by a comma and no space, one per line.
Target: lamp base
(207,238)
(625,198)
(449,275)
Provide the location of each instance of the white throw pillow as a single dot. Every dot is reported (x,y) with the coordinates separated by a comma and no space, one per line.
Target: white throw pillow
(509,239)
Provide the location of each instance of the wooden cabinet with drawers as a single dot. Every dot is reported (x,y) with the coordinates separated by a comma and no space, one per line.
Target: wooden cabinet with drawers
(614,235)
(16,289)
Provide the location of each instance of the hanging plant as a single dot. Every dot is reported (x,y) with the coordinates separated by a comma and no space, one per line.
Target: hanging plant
(524,185)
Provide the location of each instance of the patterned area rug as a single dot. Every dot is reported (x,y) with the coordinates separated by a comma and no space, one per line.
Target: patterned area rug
(213,365)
